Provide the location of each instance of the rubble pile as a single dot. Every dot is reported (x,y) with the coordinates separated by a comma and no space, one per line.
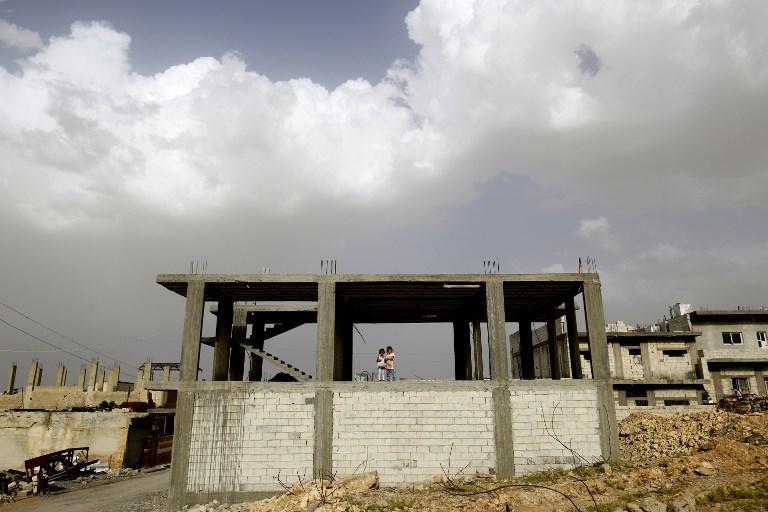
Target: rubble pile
(319,495)
(644,436)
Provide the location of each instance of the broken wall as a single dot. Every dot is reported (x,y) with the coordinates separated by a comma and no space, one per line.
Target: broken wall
(27,434)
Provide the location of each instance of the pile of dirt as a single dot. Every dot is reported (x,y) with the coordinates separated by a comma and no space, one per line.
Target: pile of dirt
(645,436)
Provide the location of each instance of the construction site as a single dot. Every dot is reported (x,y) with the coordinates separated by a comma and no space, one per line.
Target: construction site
(568,415)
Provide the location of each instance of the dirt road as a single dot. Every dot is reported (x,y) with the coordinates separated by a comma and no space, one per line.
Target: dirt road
(145,493)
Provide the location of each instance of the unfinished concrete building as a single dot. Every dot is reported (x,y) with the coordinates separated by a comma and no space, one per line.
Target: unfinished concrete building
(732,346)
(650,370)
(234,437)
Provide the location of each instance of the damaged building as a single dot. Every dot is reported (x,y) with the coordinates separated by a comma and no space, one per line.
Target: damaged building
(36,419)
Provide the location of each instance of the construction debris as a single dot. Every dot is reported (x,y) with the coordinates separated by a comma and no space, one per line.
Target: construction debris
(645,436)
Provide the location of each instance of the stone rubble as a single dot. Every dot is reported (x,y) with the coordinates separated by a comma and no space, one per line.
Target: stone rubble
(645,436)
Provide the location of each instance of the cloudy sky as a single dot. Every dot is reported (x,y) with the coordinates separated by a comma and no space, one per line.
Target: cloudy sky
(397,136)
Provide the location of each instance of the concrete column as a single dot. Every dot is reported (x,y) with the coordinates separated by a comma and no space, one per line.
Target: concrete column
(326,330)
(93,370)
(166,373)
(223,337)
(322,460)
(497,331)
(148,375)
(60,375)
(257,341)
(498,353)
(573,338)
(462,350)
(527,364)
(11,379)
(609,429)
(554,348)
(618,363)
(100,380)
(114,377)
(193,326)
(81,378)
(237,352)
(477,341)
(190,361)
(761,388)
(32,375)
(645,355)
(139,387)
(598,344)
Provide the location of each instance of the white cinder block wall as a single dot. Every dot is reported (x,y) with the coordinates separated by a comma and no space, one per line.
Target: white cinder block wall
(545,419)
(407,435)
(241,441)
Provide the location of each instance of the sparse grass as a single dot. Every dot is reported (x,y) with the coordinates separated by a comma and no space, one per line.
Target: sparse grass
(726,494)
(544,477)
(399,503)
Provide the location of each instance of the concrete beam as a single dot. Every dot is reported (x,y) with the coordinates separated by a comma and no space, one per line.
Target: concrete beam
(573,338)
(497,331)
(598,343)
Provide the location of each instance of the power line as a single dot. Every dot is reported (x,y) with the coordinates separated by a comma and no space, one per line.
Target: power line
(49,343)
(54,331)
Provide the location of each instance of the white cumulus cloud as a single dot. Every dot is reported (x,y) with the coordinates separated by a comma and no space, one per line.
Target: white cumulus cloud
(13,36)
(598,101)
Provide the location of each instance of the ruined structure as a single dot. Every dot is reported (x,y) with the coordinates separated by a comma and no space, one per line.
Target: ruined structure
(235,437)
(37,418)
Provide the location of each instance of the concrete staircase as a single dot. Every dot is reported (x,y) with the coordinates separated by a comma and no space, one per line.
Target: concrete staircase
(288,368)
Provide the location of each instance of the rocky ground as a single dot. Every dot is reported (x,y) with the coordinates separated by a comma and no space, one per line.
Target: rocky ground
(706,462)
(711,461)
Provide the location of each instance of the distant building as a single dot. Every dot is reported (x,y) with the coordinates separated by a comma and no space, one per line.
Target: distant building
(649,369)
(733,346)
